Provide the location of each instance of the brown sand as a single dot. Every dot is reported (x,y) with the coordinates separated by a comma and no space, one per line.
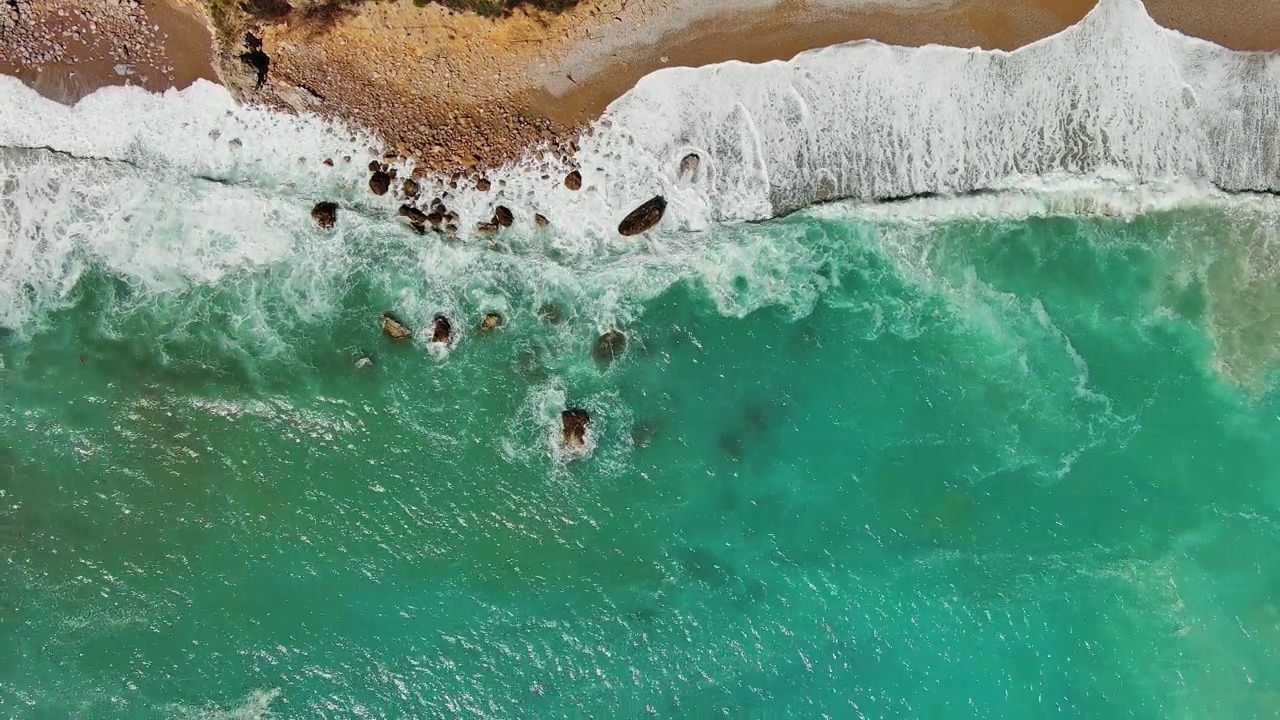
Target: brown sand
(66,49)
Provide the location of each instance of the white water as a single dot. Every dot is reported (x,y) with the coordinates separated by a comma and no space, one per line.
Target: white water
(191,188)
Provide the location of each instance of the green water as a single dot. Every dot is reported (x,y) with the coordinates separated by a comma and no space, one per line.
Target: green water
(849,466)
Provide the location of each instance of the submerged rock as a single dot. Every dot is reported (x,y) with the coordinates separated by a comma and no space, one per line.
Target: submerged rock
(394,329)
(325,214)
(610,345)
(573,180)
(441,330)
(487,228)
(689,164)
(550,312)
(379,182)
(364,362)
(491,321)
(573,428)
(643,217)
(502,216)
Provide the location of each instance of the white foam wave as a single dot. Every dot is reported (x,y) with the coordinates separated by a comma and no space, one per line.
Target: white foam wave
(866,120)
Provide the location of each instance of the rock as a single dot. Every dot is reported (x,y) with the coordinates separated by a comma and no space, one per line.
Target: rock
(689,164)
(416,217)
(435,219)
(374,166)
(610,345)
(490,321)
(550,312)
(394,329)
(325,214)
(409,188)
(487,229)
(379,183)
(573,180)
(574,423)
(437,206)
(483,185)
(643,217)
(364,362)
(502,216)
(441,330)
(328,162)
(540,220)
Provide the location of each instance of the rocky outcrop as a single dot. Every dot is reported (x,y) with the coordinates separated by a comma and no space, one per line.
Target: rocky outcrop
(394,329)
(644,217)
(574,423)
(610,345)
(441,330)
(255,58)
(573,180)
(325,214)
(379,182)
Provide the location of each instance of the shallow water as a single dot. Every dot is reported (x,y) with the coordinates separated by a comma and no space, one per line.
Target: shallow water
(909,460)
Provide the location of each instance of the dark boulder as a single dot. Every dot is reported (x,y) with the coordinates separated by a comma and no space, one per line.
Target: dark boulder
(394,329)
(325,214)
(540,220)
(502,216)
(574,423)
(410,188)
(435,219)
(483,184)
(441,330)
(643,217)
(573,180)
(610,345)
(379,182)
(374,166)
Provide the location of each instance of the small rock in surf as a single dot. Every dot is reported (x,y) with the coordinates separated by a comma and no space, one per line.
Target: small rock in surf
(409,188)
(491,321)
(441,330)
(379,182)
(325,214)
(689,164)
(573,180)
(483,185)
(573,428)
(502,216)
(610,345)
(540,220)
(643,217)
(364,362)
(394,329)
(487,228)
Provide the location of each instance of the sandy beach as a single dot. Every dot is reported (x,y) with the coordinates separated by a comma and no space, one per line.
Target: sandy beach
(458,91)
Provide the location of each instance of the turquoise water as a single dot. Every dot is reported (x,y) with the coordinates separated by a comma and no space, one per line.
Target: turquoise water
(852,464)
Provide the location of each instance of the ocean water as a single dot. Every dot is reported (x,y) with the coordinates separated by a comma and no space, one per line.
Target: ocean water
(1008,451)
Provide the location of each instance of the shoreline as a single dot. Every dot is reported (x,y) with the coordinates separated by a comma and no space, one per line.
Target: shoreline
(461,94)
